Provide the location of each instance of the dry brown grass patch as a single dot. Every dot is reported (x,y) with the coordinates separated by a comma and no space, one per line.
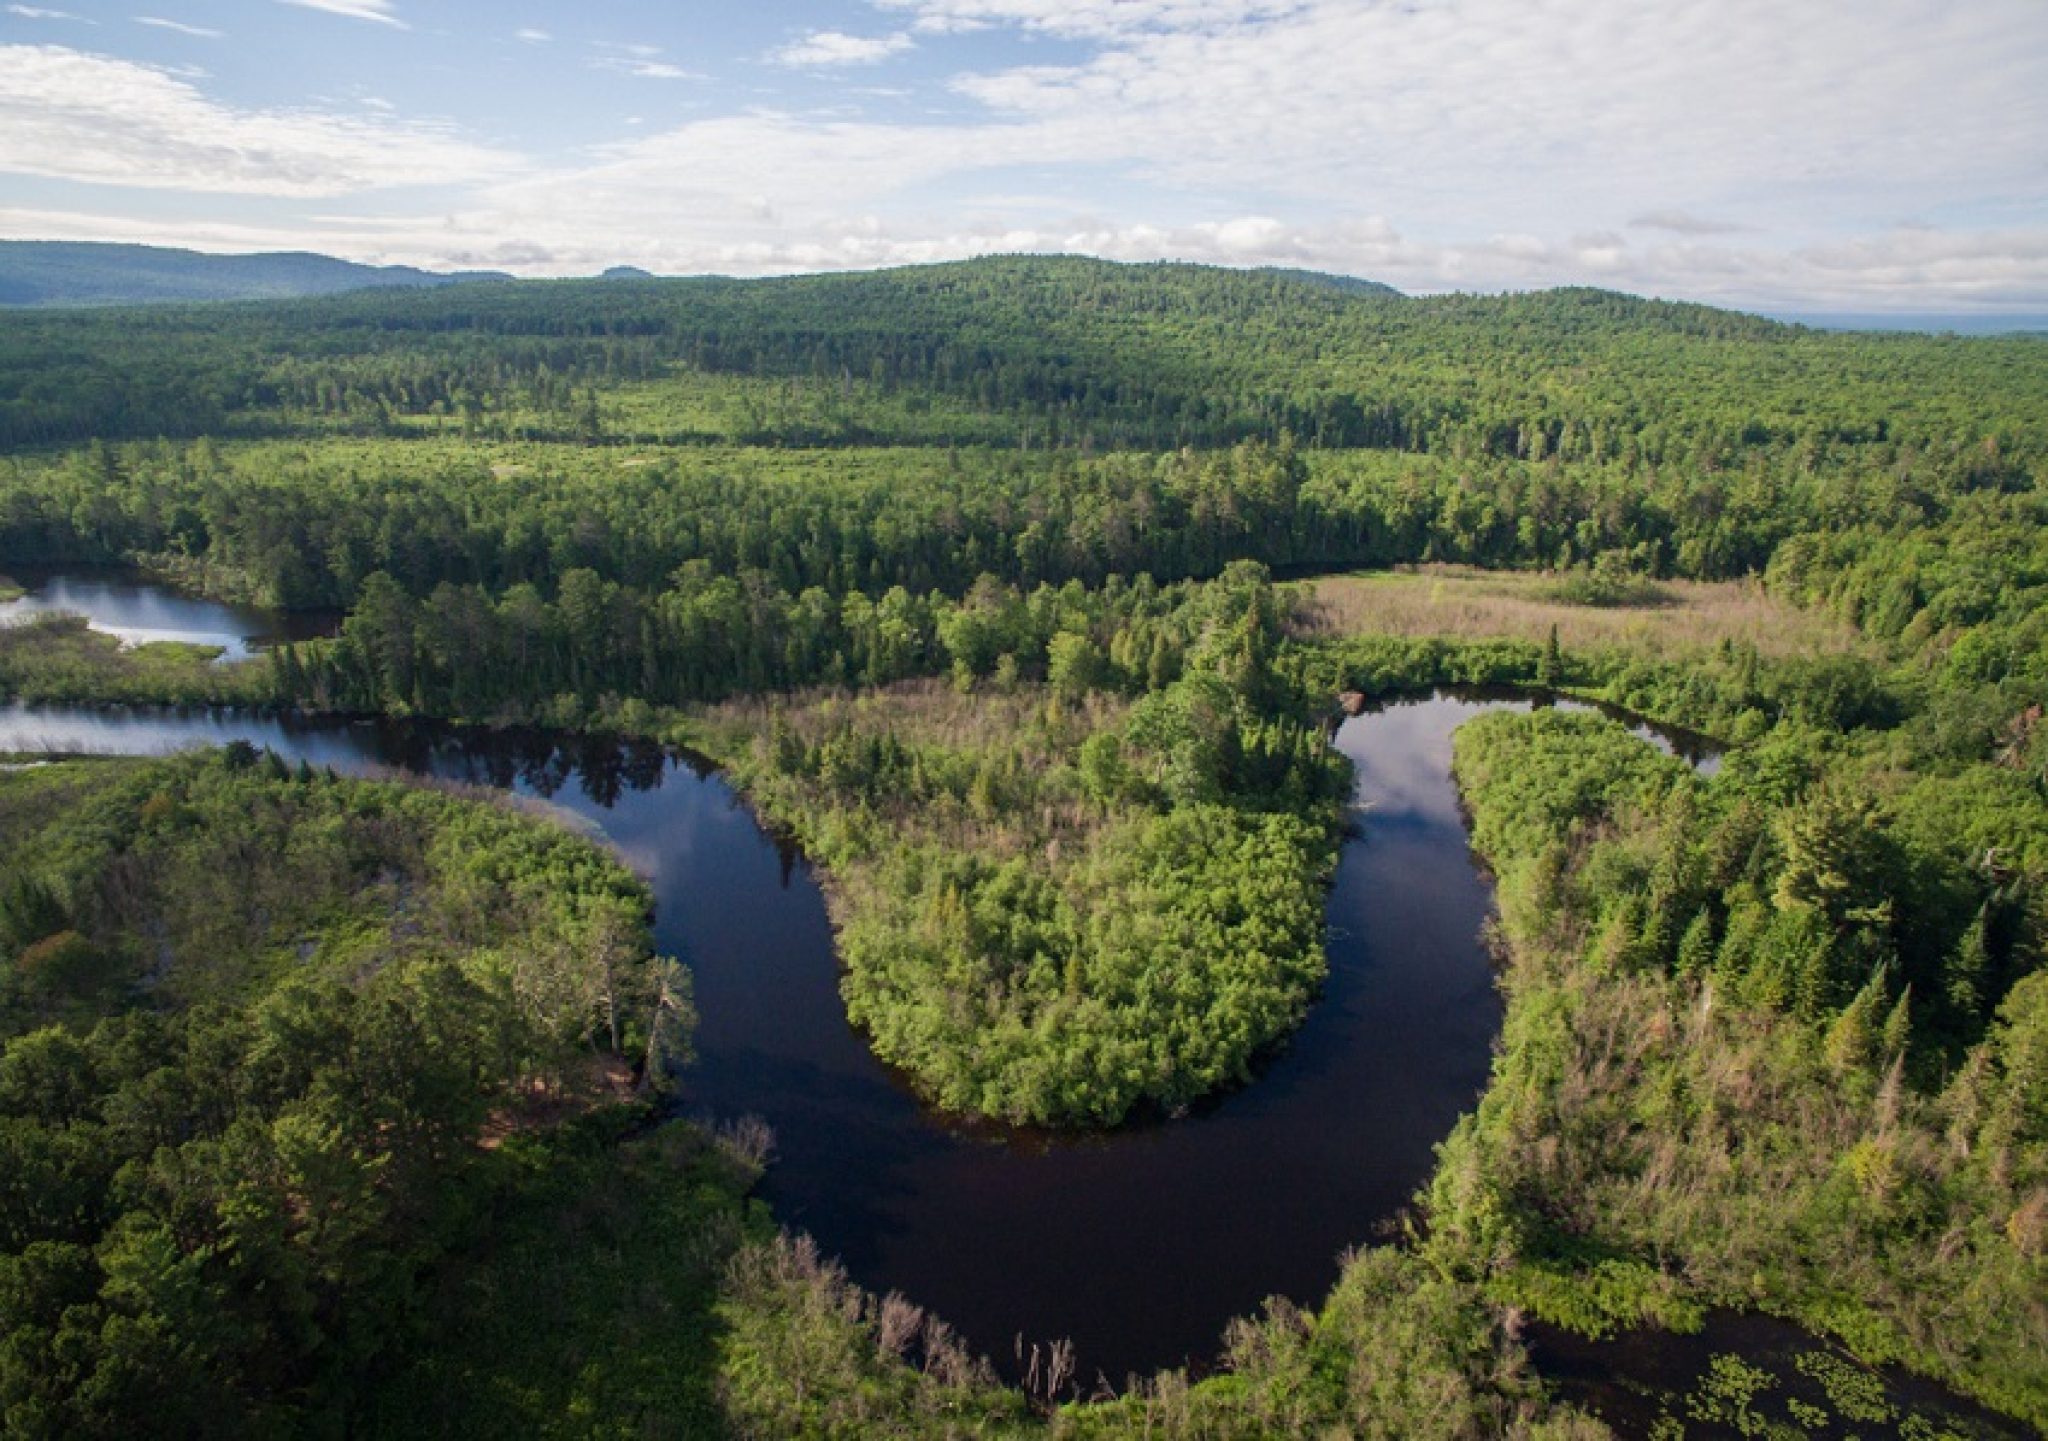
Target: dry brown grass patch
(1470,603)
(923,712)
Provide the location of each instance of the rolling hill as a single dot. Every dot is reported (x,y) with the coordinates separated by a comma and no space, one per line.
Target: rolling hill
(59,273)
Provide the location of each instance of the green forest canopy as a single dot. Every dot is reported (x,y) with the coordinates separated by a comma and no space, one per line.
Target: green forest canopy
(762,515)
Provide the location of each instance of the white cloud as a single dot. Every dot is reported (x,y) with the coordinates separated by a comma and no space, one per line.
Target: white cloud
(532,36)
(941,24)
(1680,222)
(70,115)
(35,12)
(158,22)
(1091,18)
(638,60)
(693,175)
(644,69)
(358,239)
(384,12)
(827,48)
(1745,151)
(1460,112)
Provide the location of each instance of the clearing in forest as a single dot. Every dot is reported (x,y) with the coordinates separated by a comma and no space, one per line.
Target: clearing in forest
(1468,602)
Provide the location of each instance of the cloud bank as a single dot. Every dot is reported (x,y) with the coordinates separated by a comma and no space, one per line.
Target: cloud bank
(69,115)
(1850,153)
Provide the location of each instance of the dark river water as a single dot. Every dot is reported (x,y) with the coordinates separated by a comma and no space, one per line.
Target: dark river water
(1642,1383)
(1139,1245)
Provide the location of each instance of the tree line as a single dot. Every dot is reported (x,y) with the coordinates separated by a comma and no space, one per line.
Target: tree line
(1084,353)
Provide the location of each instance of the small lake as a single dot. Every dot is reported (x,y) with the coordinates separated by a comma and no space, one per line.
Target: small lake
(123,603)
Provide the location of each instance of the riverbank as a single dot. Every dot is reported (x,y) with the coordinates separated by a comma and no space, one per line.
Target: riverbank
(1713,690)
(282,1051)
(1718,1084)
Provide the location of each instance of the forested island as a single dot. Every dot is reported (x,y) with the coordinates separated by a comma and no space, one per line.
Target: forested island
(1020,594)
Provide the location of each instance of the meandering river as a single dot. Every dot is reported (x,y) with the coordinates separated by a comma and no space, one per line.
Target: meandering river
(1139,1245)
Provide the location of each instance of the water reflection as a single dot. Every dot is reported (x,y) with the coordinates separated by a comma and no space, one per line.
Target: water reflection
(1139,1245)
(139,611)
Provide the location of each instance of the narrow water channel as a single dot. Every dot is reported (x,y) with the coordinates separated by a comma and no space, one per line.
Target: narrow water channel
(1745,1374)
(1139,1245)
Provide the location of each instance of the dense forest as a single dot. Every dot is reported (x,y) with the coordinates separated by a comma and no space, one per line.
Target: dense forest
(269,1037)
(1060,901)
(1003,588)
(1765,952)
(1024,351)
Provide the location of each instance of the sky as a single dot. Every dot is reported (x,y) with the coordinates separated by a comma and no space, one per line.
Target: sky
(1862,155)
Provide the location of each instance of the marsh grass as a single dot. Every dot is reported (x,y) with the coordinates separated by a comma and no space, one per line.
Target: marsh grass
(58,657)
(1468,603)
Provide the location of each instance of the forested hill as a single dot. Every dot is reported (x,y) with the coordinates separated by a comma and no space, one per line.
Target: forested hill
(1022,352)
(1343,284)
(58,273)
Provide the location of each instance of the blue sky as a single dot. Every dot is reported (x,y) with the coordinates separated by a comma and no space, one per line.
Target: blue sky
(1873,155)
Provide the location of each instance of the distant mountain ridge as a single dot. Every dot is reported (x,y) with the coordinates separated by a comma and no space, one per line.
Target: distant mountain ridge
(37,273)
(58,273)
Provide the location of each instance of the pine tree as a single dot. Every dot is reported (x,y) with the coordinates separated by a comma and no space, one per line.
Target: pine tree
(1967,967)
(1696,946)
(1853,1038)
(1550,669)
(1898,1026)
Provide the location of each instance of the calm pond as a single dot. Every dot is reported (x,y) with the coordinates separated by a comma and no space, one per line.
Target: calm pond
(124,604)
(1139,1245)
